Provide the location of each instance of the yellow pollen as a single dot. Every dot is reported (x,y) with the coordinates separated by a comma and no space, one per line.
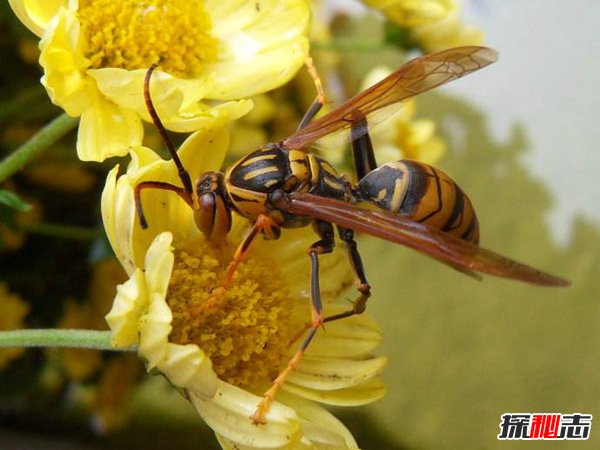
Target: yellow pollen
(247,330)
(134,34)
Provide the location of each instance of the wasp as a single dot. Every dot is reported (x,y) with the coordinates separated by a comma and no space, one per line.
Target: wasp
(284,185)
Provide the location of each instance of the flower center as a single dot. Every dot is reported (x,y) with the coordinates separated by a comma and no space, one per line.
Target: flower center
(246,331)
(134,34)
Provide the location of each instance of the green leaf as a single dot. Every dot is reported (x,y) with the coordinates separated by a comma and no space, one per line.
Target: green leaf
(13,201)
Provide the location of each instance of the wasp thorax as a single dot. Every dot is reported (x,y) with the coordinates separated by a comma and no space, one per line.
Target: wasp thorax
(212,213)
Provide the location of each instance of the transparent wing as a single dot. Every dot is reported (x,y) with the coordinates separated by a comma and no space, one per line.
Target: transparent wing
(416,76)
(456,252)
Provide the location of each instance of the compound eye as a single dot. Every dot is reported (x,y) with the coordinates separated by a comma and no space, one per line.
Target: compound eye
(212,217)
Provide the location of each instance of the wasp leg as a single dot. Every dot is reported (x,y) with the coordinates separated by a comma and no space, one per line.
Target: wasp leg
(362,148)
(183,193)
(324,245)
(360,303)
(321,99)
(263,407)
(264,224)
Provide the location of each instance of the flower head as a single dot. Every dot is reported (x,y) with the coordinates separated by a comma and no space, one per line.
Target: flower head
(412,13)
(95,55)
(224,351)
(433,24)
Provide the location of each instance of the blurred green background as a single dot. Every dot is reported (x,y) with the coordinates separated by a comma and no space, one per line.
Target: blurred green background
(525,141)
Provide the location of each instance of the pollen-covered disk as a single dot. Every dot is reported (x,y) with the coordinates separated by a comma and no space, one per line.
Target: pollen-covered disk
(224,351)
(95,55)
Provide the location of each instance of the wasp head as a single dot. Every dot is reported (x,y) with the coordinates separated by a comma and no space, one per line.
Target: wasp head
(213,212)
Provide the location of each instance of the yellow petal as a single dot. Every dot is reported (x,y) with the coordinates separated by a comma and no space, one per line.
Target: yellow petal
(411,13)
(107,130)
(35,14)
(361,394)
(328,374)
(169,93)
(263,73)
(319,426)
(291,252)
(155,326)
(64,65)
(261,48)
(177,101)
(187,366)
(118,216)
(204,150)
(228,414)
(354,337)
(128,306)
(159,264)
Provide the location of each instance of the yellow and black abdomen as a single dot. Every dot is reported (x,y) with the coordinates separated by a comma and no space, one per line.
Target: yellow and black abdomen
(423,194)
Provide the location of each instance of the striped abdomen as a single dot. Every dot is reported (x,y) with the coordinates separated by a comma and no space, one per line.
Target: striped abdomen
(423,194)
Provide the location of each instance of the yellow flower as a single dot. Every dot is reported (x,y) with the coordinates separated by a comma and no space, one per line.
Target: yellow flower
(412,13)
(434,24)
(394,137)
(14,310)
(447,33)
(402,136)
(224,351)
(95,54)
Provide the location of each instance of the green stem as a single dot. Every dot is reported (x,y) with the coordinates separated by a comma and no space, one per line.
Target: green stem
(37,144)
(64,231)
(52,337)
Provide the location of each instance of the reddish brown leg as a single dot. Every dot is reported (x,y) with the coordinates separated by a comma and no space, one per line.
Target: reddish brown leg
(185,195)
(269,396)
(264,224)
(325,245)
(321,99)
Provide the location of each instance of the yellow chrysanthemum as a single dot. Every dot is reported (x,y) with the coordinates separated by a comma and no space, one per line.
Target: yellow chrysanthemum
(434,24)
(95,54)
(447,33)
(402,136)
(412,13)
(394,137)
(14,310)
(224,351)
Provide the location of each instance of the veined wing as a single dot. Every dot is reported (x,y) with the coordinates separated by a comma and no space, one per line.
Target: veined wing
(417,76)
(400,230)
